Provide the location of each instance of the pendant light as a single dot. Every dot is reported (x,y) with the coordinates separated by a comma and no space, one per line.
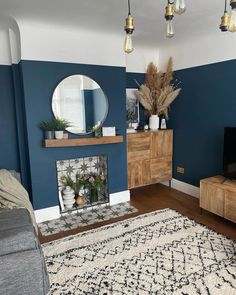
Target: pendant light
(179,6)
(169,20)
(232,21)
(225,20)
(129,28)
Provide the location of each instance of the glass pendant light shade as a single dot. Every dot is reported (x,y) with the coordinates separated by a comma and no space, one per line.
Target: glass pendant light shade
(232,21)
(169,29)
(224,25)
(128,45)
(179,6)
(169,15)
(129,28)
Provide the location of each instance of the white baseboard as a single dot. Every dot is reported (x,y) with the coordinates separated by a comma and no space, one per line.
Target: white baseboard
(45,214)
(50,213)
(119,197)
(184,187)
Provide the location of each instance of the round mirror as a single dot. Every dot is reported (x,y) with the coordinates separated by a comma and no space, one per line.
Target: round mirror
(81,101)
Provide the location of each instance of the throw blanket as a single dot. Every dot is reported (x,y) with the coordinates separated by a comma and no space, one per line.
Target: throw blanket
(13,194)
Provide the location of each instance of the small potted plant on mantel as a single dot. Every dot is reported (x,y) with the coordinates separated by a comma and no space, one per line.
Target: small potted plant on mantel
(48,129)
(60,126)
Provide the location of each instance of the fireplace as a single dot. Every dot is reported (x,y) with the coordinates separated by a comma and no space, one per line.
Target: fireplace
(82,182)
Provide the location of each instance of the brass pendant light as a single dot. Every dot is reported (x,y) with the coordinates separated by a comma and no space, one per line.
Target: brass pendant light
(179,6)
(225,19)
(169,15)
(232,21)
(129,28)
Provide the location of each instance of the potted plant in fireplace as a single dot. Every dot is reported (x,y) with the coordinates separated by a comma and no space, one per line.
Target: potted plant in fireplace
(76,186)
(68,193)
(60,126)
(95,183)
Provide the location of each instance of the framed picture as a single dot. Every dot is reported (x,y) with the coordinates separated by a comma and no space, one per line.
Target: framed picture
(132,108)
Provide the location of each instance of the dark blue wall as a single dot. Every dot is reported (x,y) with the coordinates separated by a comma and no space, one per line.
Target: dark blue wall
(205,105)
(9,158)
(39,81)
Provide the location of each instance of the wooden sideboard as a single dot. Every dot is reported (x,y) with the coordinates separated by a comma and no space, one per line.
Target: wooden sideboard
(218,195)
(149,157)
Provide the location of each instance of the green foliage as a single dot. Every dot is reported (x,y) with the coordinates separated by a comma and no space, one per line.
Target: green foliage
(89,181)
(66,180)
(60,124)
(46,125)
(54,124)
(95,181)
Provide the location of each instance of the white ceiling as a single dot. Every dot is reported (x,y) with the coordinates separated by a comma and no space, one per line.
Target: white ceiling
(201,17)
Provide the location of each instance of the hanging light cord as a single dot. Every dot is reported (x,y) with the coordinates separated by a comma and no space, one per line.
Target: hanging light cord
(225,5)
(129,7)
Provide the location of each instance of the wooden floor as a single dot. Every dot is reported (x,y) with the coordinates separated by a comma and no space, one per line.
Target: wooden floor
(158,196)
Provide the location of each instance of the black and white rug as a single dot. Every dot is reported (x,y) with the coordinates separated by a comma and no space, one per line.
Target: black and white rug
(162,252)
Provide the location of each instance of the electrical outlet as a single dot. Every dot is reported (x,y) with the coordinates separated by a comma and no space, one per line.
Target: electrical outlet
(180,169)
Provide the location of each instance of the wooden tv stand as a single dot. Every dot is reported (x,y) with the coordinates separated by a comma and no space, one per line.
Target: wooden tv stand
(218,195)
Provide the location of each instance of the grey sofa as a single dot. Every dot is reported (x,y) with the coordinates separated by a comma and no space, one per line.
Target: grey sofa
(22,266)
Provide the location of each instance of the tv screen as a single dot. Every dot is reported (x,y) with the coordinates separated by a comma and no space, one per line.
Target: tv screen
(230,152)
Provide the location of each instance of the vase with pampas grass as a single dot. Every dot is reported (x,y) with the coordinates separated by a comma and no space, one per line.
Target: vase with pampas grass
(158,92)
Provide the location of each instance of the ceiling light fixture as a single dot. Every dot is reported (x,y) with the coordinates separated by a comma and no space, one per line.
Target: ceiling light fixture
(129,28)
(232,20)
(225,20)
(169,19)
(179,6)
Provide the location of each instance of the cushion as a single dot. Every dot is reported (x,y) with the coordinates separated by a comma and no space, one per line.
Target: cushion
(13,218)
(23,273)
(17,239)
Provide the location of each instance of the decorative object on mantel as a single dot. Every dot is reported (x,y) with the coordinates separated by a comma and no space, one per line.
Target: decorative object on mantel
(48,129)
(129,28)
(161,252)
(157,92)
(60,126)
(54,128)
(97,129)
(109,131)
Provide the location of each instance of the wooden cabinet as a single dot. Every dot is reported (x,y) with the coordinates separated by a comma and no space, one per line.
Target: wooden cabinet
(149,157)
(218,195)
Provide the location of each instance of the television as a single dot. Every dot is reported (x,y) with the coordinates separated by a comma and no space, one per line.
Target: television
(229,156)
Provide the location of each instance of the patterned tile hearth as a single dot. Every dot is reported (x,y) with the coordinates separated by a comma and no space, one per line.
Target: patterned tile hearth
(86,217)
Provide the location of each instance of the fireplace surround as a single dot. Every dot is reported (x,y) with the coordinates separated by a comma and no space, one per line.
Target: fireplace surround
(89,168)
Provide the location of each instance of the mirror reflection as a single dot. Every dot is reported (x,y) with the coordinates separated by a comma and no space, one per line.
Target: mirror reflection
(81,101)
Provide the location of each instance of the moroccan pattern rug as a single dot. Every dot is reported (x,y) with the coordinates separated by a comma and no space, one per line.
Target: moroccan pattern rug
(162,252)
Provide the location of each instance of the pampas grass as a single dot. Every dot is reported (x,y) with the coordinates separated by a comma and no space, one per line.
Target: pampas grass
(158,90)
